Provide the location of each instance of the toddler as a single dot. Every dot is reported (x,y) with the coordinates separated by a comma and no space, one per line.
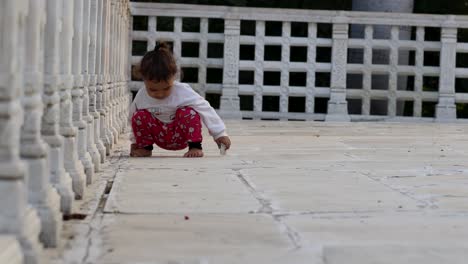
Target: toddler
(169,113)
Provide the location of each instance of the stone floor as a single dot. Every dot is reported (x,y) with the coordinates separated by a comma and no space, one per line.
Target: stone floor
(286,193)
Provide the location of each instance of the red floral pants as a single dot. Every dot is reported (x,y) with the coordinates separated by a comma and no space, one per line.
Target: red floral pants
(148,130)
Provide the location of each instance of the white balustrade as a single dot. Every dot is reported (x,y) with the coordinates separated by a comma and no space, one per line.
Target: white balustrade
(313,65)
(52,70)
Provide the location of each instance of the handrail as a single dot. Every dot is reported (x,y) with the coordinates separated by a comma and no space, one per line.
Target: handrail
(297,15)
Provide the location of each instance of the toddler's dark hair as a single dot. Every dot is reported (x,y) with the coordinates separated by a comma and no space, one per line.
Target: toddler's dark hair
(158,64)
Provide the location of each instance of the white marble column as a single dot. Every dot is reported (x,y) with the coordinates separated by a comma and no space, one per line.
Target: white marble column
(123,66)
(127,66)
(68,130)
(79,91)
(118,76)
(104,107)
(60,179)
(33,149)
(337,105)
(126,96)
(16,216)
(230,104)
(113,66)
(110,76)
(93,124)
(121,61)
(86,152)
(446,109)
(98,116)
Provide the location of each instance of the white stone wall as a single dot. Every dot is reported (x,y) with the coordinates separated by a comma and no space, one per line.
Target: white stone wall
(388,52)
(63,92)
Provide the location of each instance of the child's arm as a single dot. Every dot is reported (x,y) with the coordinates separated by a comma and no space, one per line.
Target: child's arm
(209,116)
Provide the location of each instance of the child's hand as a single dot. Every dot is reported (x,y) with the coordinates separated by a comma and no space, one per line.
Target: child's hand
(225,141)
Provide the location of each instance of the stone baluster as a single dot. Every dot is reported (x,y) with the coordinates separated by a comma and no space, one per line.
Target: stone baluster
(98,119)
(120,83)
(79,91)
(33,149)
(113,66)
(109,79)
(92,71)
(17,218)
(50,119)
(116,123)
(230,105)
(446,110)
(337,105)
(122,57)
(87,154)
(117,70)
(127,68)
(127,64)
(72,164)
(104,110)
(112,84)
(124,65)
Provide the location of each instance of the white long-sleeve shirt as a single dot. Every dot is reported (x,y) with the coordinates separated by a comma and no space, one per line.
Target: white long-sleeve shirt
(181,95)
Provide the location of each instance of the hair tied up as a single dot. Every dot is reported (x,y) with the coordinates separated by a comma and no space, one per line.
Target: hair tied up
(158,46)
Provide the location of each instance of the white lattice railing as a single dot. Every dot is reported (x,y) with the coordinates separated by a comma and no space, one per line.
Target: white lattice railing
(63,103)
(382,66)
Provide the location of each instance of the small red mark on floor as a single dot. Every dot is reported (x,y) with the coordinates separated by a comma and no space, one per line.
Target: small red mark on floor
(186,218)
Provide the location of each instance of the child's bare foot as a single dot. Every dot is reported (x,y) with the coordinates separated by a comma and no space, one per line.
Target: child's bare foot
(139,152)
(194,153)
